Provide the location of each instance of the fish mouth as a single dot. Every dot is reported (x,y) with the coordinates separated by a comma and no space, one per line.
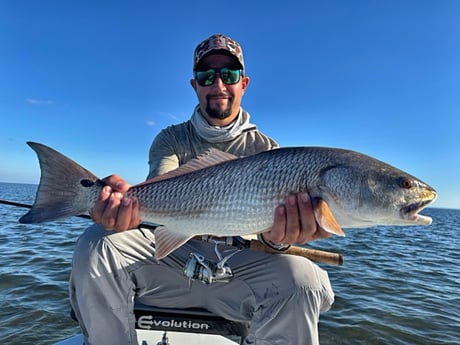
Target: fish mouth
(410,212)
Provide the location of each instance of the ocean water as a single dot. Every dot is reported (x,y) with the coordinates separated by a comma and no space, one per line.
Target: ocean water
(398,285)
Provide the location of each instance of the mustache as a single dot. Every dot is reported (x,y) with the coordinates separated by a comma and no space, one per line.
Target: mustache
(219,95)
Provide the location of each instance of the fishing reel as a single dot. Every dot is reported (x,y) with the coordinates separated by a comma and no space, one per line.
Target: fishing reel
(199,268)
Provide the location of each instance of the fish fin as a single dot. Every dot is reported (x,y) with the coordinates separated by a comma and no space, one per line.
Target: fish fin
(211,157)
(325,218)
(64,190)
(167,240)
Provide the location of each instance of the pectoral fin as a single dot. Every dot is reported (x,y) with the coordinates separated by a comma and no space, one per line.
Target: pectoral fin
(325,218)
(166,241)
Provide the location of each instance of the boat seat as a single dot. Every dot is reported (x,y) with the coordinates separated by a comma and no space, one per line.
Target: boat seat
(190,320)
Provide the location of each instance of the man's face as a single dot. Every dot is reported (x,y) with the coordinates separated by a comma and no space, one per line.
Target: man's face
(219,102)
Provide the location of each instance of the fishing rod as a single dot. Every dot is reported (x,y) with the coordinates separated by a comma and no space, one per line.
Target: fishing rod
(18,204)
(323,256)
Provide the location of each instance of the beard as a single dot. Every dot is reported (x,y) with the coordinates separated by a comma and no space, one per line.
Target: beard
(217,113)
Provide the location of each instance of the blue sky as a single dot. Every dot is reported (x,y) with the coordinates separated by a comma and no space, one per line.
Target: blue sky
(97,80)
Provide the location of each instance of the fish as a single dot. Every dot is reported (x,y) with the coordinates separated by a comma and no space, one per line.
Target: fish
(222,195)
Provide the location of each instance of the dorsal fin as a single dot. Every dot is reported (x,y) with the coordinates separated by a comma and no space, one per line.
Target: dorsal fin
(209,158)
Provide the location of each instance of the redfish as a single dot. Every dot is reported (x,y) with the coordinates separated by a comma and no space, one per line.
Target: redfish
(219,194)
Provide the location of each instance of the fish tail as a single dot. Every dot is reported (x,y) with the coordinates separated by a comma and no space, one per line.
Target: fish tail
(66,189)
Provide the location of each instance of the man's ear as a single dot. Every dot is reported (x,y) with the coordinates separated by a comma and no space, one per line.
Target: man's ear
(193,84)
(245,83)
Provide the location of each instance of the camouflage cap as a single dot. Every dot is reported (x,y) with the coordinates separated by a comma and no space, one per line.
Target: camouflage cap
(218,43)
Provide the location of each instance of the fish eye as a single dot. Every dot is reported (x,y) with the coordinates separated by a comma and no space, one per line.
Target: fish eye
(405,183)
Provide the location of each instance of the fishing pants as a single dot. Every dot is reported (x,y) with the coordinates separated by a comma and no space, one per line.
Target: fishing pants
(280,295)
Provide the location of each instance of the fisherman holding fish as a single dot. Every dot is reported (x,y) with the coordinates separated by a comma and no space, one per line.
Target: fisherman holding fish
(281,296)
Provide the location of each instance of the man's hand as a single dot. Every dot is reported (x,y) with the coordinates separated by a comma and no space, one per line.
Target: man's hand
(294,222)
(112,210)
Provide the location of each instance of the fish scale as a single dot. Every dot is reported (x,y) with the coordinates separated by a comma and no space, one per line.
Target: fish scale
(219,194)
(219,197)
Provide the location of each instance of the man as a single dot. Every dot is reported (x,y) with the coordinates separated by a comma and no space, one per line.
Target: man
(280,295)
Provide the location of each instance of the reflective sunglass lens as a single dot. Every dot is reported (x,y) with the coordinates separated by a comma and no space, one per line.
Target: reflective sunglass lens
(228,76)
(205,78)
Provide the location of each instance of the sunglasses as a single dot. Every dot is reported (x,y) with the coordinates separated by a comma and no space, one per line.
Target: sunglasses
(227,75)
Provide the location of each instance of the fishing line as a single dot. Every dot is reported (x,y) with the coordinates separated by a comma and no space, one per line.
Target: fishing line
(18,204)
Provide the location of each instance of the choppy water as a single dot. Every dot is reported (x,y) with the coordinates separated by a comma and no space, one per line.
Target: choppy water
(397,285)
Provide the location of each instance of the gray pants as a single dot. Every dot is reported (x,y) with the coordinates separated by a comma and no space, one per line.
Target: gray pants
(280,295)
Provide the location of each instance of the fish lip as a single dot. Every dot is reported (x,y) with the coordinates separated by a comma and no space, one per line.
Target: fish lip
(410,212)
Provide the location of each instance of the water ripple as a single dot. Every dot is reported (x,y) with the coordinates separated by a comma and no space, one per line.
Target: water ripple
(398,285)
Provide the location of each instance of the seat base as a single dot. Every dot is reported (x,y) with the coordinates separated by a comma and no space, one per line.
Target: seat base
(193,320)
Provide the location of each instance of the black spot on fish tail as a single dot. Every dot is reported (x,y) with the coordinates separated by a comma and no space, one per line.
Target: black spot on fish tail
(87,183)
